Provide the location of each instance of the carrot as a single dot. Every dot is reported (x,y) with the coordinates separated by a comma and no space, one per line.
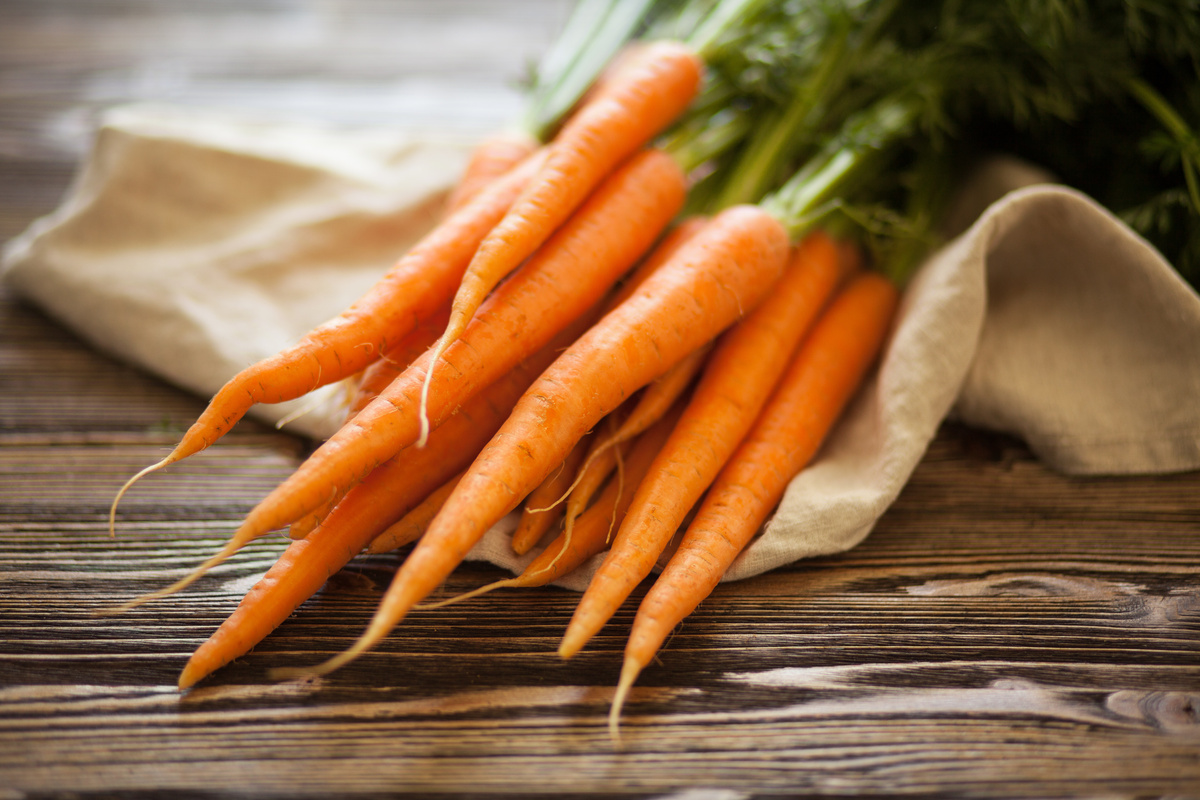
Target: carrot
(593,473)
(825,374)
(655,400)
(416,287)
(412,525)
(371,381)
(675,237)
(494,156)
(542,512)
(661,388)
(743,368)
(376,376)
(307,523)
(566,278)
(634,106)
(723,271)
(591,535)
(368,509)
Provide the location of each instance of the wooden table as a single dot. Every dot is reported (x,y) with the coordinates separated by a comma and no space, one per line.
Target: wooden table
(1004,632)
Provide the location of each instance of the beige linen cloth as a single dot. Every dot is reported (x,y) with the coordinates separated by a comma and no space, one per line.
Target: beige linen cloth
(193,244)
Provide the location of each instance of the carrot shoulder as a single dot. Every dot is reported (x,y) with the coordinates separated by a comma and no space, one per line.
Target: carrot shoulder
(722,272)
(564,280)
(743,368)
(825,374)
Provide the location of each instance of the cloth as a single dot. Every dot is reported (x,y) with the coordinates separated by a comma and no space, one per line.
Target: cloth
(193,244)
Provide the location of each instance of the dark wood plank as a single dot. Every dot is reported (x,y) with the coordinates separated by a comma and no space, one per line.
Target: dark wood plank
(1004,632)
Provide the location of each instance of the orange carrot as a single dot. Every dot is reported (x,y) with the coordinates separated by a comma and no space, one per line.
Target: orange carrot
(571,274)
(494,156)
(660,388)
(654,401)
(418,285)
(663,251)
(594,472)
(591,535)
(367,510)
(634,106)
(726,269)
(375,377)
(826,372)
(409,528)
(370,382)
(542,512)
(741,371)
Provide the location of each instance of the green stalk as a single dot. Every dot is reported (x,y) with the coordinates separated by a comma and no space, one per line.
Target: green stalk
(718,22)
(776,141)
(595,32)
(851,158)
(1177,127)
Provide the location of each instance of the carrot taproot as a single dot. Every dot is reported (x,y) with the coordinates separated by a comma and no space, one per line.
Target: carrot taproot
(721,273)
(492,157)
(740,373)
(565,554)
(415,287)
(609,234)
(825,374)
(391,490)
(634,106)
(542,512)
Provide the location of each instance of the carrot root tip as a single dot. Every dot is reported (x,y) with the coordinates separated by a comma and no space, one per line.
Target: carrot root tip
(629,673)
(112,511)
(216,560)
(324,668)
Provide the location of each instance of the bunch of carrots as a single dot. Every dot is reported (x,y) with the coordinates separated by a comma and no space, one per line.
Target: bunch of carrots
(638,318)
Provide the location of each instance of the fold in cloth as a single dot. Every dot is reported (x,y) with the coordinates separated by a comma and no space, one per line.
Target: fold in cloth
(193,244)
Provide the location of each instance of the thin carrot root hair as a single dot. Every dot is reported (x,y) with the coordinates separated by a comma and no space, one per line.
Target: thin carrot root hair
(538,572)
(377,630)
(591,535)
(215,560)
(654,401)
(630,670)
(473,593)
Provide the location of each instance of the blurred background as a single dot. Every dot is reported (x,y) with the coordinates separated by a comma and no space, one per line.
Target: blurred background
(452,65)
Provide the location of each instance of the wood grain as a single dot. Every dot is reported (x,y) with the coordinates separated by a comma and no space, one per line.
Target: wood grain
(1004,632)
